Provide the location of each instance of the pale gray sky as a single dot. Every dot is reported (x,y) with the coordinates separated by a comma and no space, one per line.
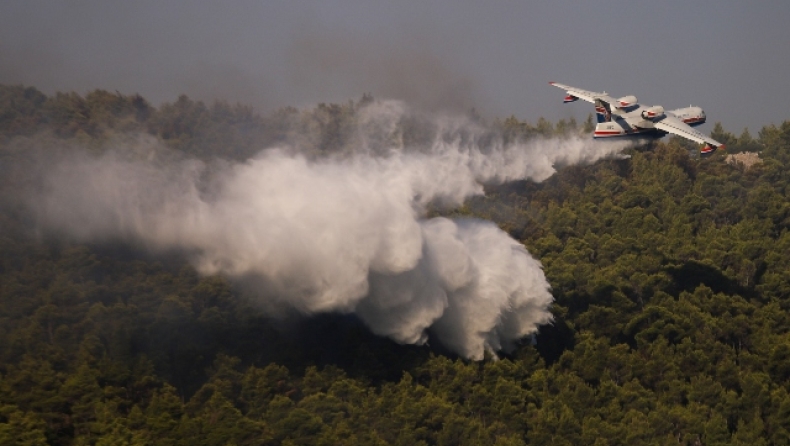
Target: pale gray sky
(729,57)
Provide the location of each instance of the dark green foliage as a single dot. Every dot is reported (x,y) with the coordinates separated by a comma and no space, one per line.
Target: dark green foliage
(671,319)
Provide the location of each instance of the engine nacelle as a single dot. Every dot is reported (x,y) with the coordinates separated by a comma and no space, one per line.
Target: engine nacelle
(626,101)
(692,116)
(653,112)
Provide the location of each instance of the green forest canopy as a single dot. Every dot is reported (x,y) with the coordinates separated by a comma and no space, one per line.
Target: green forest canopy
(670,276)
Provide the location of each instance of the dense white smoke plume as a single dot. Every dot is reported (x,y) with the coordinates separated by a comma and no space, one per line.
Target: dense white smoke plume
(338,234)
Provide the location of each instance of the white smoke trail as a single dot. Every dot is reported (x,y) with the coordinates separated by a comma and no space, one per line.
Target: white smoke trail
(339,235)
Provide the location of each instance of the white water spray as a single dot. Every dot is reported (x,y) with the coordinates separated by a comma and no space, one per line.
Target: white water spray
(339,235)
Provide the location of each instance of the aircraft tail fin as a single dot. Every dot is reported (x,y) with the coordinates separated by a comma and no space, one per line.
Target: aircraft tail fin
(602,111)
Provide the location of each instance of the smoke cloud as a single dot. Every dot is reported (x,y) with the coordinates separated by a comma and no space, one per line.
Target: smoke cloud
(338,234)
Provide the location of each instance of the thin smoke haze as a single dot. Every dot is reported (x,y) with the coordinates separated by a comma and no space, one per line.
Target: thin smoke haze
(336,234)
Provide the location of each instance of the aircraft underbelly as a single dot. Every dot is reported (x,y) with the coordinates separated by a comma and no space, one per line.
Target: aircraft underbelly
(620,128)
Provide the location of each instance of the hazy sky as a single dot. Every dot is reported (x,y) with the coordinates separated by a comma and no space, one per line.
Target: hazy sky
(730,57)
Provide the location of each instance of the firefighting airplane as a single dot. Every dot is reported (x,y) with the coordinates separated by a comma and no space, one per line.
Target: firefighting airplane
(624,117)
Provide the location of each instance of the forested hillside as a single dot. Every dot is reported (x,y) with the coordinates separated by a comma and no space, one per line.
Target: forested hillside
(671,279)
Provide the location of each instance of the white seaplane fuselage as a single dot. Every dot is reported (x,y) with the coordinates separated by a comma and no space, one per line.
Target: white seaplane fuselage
(629,122)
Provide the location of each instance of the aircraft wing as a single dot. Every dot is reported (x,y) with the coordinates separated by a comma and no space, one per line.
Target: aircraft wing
(577,93)
(675,126)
